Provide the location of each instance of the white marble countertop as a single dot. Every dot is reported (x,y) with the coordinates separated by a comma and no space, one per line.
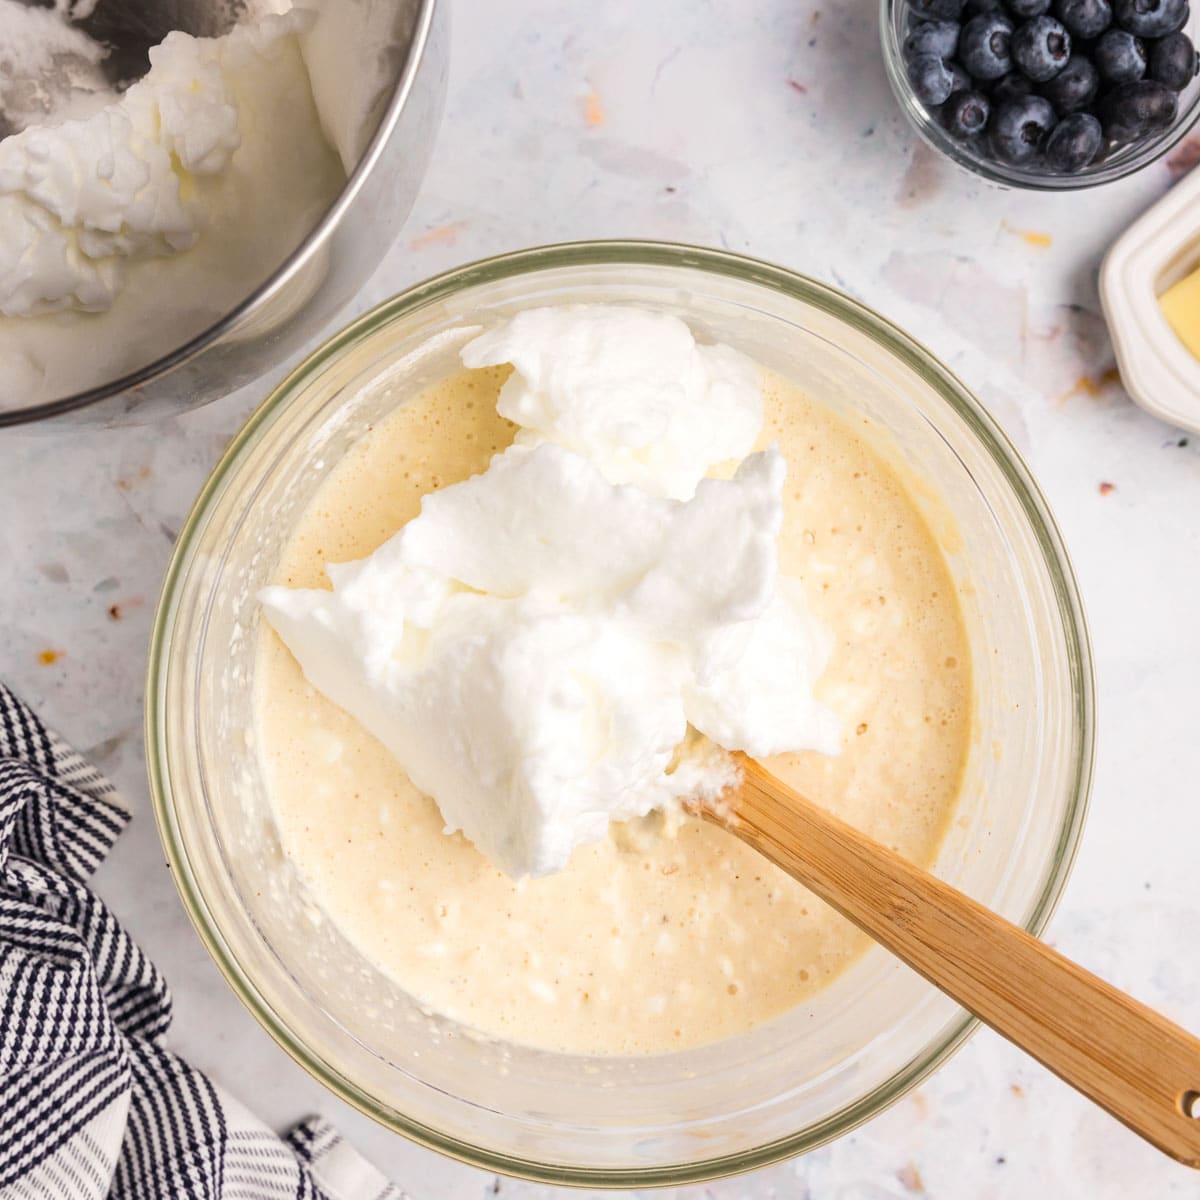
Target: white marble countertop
(767,129)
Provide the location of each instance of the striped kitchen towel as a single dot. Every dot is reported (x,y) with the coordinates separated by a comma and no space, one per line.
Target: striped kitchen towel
(91,1103)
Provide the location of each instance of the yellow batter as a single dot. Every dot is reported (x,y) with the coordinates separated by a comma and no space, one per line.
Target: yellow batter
(655,939)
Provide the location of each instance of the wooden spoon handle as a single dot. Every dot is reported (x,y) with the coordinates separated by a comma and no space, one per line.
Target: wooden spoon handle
(1134,1063)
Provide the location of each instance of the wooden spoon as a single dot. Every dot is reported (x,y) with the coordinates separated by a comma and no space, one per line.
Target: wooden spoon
(1131,1061)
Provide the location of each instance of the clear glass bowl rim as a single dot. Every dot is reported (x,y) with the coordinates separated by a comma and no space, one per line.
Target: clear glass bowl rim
(597,254)
(1001,173)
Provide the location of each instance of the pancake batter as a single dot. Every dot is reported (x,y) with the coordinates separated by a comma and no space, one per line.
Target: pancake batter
(659,937)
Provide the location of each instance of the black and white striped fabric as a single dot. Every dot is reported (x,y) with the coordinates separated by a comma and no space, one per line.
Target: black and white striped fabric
(91,1104)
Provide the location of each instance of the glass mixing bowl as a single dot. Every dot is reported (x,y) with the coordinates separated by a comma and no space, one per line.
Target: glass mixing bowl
(789,1085)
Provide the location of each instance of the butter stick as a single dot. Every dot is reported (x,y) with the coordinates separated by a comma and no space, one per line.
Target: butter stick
(1180,304)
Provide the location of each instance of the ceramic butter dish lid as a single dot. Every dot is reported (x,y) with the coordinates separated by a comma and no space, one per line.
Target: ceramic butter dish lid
(1158,251)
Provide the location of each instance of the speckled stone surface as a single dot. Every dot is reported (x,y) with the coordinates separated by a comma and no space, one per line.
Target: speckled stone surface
(768,129)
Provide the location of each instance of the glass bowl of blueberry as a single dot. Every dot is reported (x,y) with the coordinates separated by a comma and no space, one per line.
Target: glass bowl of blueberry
(1047,94)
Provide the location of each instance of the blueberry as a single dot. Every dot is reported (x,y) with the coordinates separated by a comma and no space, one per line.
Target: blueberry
(1020,127)
(1173,61)
(1151,18)
(965,114)
(1028,8)
(1132,111)
(1041,48)
(984,46)
(962,81)
(936,10)
(1084,18)
(984,6)
(931,79)
(932,37)
(1119,56)
(1012,87)
(1073,143)
(1074,87)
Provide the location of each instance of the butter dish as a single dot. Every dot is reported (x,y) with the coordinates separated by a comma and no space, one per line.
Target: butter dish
(1160,248)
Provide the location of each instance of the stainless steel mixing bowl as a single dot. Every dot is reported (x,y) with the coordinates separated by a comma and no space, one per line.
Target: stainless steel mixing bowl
(328,268)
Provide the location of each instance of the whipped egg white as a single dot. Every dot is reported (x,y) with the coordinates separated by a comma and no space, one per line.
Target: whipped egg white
(534,646)
(133,222)
(82,199)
